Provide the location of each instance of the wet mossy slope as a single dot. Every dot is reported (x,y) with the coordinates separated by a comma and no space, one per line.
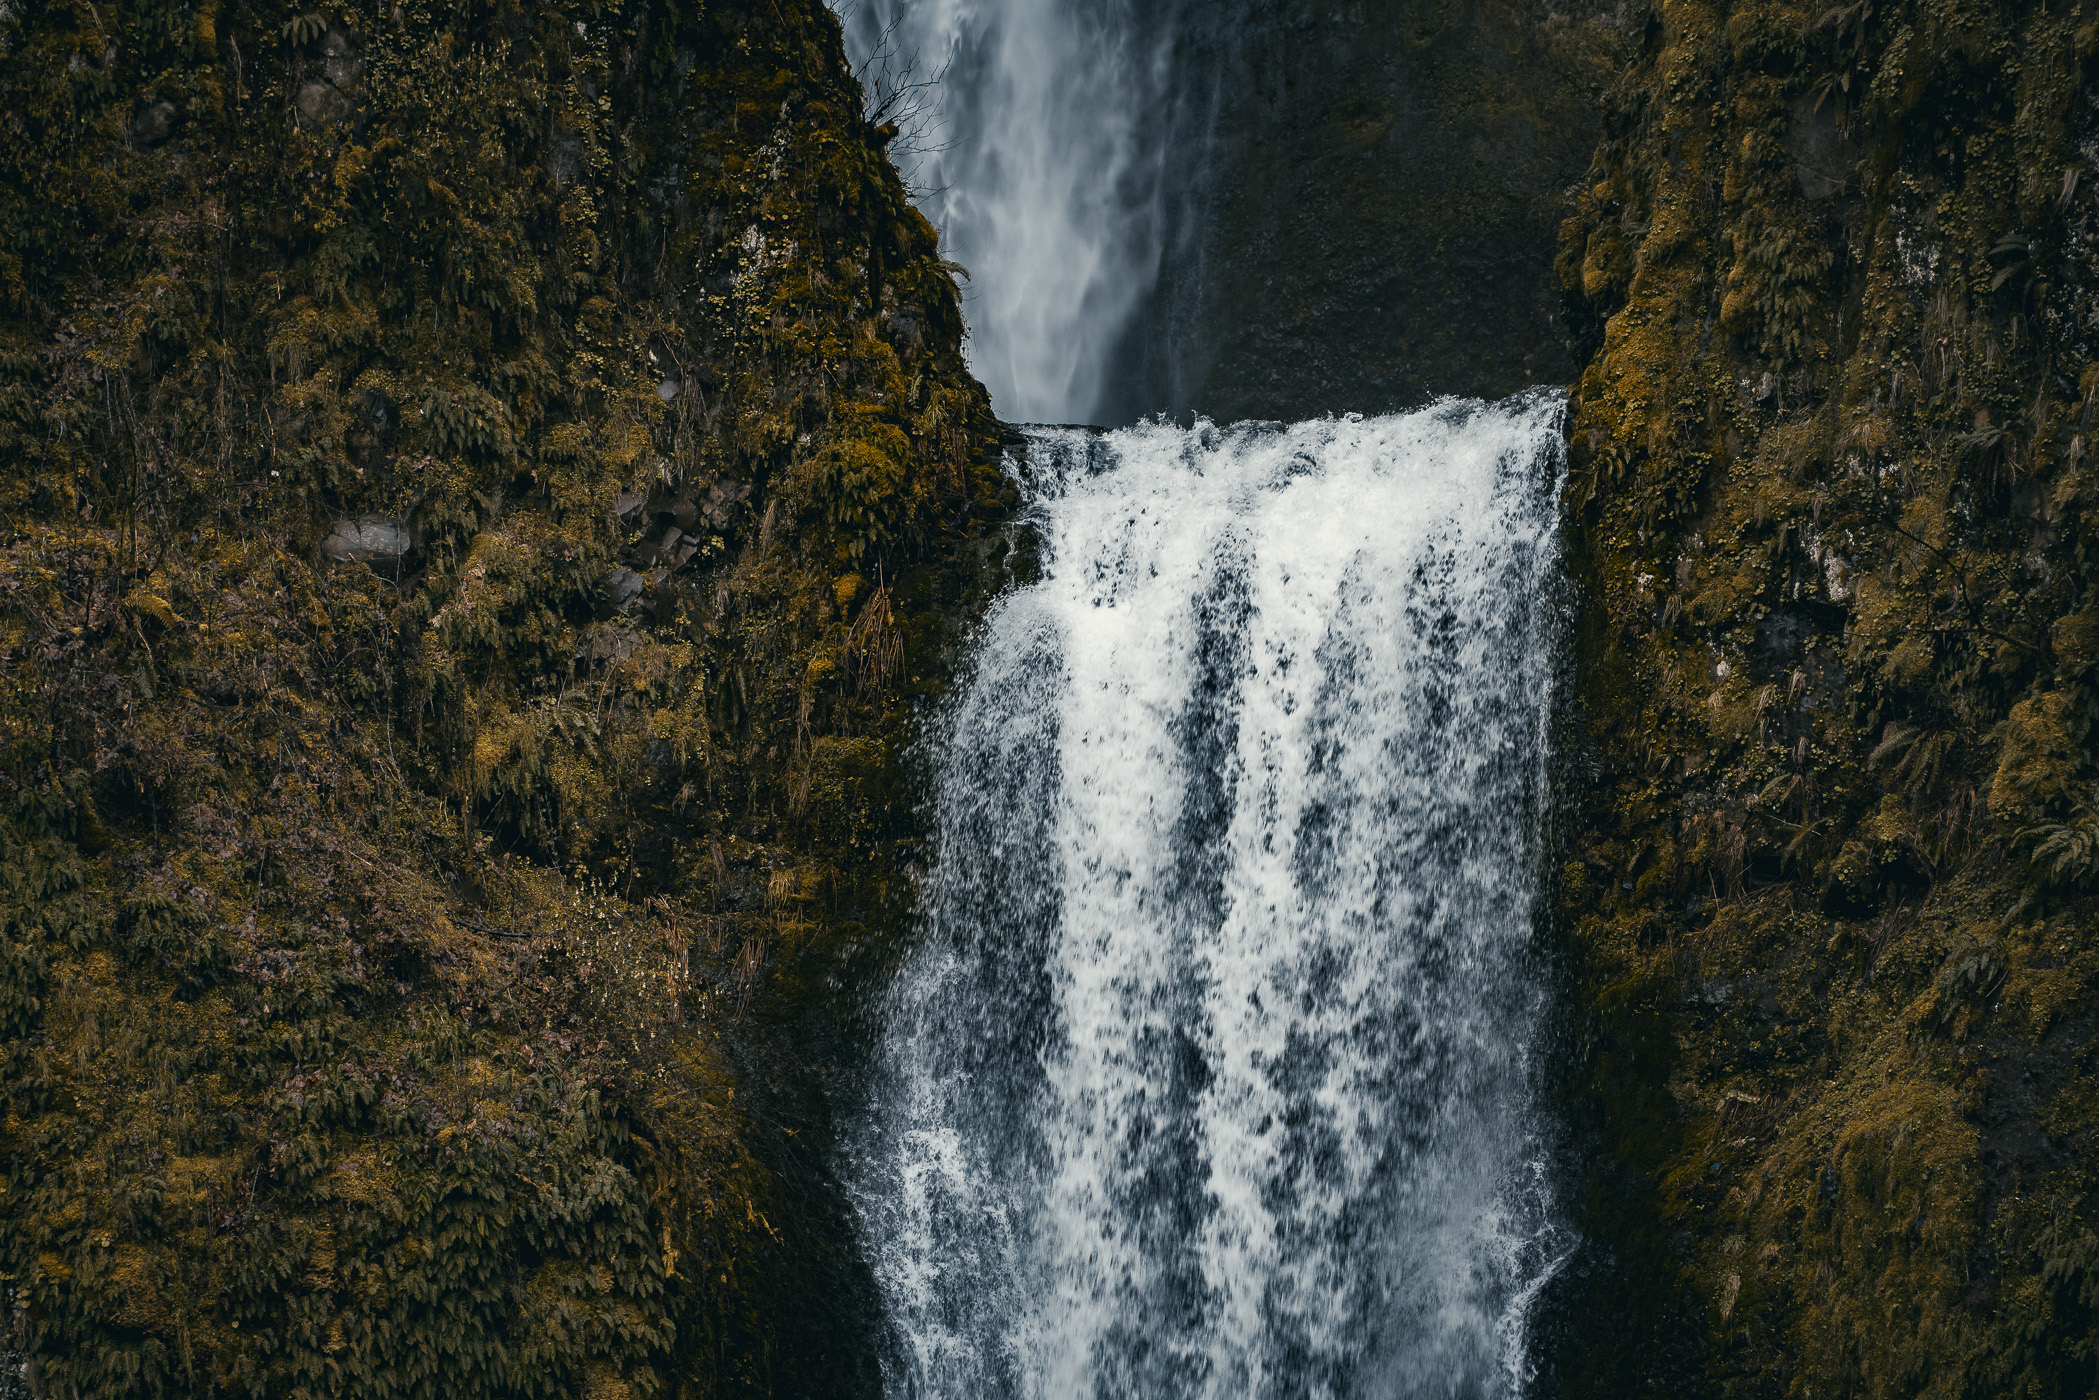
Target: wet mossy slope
(481,490)
(1833,896)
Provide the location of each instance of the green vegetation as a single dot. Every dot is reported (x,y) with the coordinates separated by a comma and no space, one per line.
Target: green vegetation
(482,488)
(1832,914)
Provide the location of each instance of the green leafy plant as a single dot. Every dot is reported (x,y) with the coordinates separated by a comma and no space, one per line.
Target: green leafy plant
(2066,852)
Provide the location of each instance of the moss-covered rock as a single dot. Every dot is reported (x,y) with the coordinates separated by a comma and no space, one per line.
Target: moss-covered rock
(1829,517)
(444,772)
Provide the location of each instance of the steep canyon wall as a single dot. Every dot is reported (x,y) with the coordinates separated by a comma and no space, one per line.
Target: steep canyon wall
(1831,877)
(482,486)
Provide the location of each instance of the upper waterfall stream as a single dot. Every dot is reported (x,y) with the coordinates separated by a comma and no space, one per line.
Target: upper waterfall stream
(1037,147)
(1213,1070)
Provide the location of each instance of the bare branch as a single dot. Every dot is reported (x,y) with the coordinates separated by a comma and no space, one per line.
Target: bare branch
(900,100)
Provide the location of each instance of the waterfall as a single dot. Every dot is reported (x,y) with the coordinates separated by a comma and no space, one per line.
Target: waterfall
(1039,153)
(1212,1072)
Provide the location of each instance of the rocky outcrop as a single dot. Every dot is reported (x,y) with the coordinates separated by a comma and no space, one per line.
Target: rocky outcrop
(1832,878)
(484,488)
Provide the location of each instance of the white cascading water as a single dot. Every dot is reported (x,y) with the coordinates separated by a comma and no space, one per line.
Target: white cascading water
(1212,1073)
(1038,158)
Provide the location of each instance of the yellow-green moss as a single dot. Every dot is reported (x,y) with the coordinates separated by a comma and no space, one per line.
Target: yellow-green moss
(1831,660)
(402,973)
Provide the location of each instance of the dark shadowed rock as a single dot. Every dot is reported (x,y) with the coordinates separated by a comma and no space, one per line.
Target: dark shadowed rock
(154,123)
(1373,218)
(340,64)
(1825,160)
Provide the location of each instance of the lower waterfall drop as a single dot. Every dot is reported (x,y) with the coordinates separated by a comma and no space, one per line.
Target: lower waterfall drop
(1214,1070)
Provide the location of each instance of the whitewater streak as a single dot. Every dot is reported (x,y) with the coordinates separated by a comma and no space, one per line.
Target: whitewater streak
(1213,1071)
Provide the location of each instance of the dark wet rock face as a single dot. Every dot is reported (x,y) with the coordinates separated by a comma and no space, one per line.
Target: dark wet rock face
(323,102)
(1825,157)
(340,65)
(1367,205)
(155,122)
(330,97)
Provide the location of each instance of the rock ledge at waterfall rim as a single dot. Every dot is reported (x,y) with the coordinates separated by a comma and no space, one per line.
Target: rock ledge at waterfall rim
(279,1114)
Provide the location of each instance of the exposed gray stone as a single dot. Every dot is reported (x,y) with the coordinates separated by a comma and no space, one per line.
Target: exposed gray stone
(608,642)
(565,157)
(724,499)
(377,540)
(323,103)
(340,64)
(1825,160)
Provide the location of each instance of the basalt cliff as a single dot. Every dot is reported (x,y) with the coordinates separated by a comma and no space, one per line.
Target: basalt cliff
(1832,838)
(484,488)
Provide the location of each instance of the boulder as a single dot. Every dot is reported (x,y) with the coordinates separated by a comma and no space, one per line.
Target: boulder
(378,540)
(323,103)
